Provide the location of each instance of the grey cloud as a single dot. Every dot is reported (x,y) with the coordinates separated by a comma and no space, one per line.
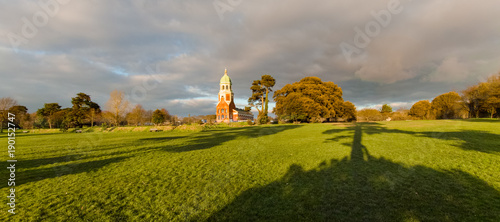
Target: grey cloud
(96,46)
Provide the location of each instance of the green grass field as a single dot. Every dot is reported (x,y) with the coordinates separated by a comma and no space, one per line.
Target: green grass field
(447,170)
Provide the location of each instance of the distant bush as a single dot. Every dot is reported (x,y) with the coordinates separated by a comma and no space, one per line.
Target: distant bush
(368,114)
(401,114)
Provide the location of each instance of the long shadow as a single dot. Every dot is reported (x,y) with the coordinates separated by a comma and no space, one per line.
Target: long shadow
(364,188)
(477,140)
(21,134)
(58,171)
(212,138)
(202,140)
(485,120)
(163,138)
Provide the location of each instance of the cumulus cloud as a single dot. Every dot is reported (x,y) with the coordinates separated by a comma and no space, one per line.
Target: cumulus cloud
(171,54)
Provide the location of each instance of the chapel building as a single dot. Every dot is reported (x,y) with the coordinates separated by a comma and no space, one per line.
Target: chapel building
(226,109)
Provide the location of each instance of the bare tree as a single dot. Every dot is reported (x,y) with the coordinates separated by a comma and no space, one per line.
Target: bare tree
(5,104)
(117,105)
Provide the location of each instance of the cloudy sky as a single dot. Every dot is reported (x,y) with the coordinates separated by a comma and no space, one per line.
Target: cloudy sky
(171,54)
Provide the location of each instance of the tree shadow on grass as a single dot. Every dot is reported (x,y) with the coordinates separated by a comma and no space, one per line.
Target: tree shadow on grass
(21,134)
(162,139)
(28,176)
(364,188)
(485,120)
(212,138)
(477,140)
(202,140)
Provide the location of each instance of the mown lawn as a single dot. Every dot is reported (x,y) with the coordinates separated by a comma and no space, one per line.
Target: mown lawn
(447,170)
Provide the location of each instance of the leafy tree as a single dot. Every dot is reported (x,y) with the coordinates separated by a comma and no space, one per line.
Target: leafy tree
(21,113)
(483,99)
(159,117)
(117,105)
(82,110)
(5,104)
(475,99)
(386,109)
(368,114)
(136,116)
(421,109)
(310,99)
(349,111)
(49,112)
(493,100)
(260,96)
(447,105)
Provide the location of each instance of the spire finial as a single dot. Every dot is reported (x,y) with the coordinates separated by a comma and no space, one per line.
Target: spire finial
(225,71)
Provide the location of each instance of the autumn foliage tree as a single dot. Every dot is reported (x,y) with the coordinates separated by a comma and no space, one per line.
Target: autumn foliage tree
(310,100)
(475,99)
(493,100)
(483,99)
(349,111)
(421,110)
(386,109)
(447,106)
(136,116)
(117,105)
(370,114)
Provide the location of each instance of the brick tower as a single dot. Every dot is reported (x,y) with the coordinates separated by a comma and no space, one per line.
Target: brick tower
(226,105)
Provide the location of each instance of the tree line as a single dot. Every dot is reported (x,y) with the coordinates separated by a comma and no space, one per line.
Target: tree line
(85,112)
(308,100)
(312,100)
(478,101)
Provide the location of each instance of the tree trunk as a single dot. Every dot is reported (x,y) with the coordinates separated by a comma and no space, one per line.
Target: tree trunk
(92,119)
(262,107)
(266,101)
